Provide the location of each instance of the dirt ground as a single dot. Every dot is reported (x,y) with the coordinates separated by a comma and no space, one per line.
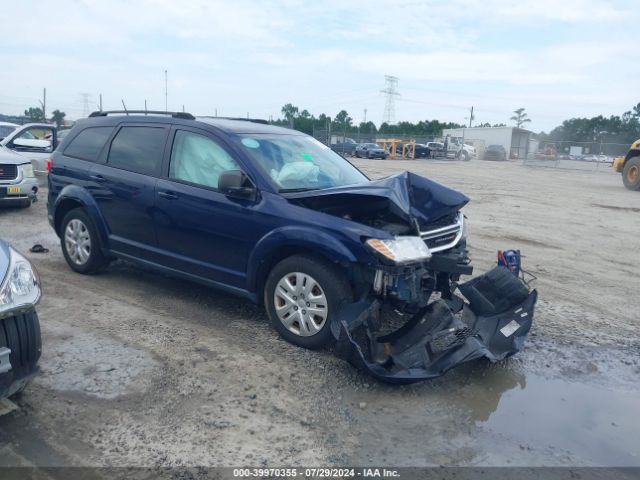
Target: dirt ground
(139,369)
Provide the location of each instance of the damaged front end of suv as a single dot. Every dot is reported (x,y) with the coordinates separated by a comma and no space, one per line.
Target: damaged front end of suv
(408,321)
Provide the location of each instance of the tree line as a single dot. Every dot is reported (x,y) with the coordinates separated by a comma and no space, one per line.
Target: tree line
(623,129)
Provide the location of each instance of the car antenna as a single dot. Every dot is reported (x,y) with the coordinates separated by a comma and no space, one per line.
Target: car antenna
(125,107)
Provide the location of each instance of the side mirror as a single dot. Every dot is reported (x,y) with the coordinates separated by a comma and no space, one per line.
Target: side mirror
(235,184)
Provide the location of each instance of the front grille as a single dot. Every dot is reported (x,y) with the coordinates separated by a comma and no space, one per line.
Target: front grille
(8,172)
(445,233)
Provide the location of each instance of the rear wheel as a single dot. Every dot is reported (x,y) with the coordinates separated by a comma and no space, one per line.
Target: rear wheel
(25,203)
(631,174)
(302,294)
(80,242)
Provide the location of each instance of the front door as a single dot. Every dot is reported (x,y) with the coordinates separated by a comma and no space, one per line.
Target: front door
(200,230)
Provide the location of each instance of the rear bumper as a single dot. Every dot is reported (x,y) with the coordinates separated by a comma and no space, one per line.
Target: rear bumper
(494,324)
(20,349)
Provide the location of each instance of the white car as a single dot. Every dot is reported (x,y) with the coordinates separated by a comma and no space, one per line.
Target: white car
(36,141)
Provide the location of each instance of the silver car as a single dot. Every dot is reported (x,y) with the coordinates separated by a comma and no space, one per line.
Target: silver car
(18,184)
(20,341)
(35,141)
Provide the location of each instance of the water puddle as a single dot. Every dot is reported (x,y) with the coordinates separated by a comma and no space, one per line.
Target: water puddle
(595,424)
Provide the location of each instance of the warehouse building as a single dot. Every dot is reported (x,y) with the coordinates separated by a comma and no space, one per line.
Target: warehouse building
(514,140)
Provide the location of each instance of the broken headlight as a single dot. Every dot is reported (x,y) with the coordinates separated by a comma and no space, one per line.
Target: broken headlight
(21,286)
(401,250)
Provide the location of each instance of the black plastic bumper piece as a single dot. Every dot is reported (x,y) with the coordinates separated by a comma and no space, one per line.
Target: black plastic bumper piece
(442,339)
(20,334)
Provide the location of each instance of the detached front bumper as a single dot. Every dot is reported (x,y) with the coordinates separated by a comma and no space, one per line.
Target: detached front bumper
(494,325)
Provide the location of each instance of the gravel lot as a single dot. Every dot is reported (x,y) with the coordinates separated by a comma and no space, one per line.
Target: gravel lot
(139,369)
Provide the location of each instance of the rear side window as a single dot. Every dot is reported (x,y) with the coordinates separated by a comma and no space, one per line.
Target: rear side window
(88,143)
(137,149)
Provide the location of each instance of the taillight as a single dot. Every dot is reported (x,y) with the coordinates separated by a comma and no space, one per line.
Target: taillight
(49,164)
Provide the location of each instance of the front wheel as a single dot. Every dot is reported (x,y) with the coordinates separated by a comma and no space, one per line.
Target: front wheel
(301,296)
(631,174)
(80,242)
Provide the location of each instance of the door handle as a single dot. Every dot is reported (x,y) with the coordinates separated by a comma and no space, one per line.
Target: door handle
(98,178)
(168,195)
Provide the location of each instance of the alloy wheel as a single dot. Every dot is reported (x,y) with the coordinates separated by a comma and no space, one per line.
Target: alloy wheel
(77,241)
(301,304)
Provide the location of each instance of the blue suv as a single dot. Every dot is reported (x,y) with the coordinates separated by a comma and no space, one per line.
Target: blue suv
(275,216)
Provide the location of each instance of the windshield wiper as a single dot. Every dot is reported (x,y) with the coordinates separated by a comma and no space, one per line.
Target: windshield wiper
(295,190)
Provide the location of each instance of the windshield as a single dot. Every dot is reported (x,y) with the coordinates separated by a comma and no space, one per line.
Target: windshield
(299,162)
(372,145)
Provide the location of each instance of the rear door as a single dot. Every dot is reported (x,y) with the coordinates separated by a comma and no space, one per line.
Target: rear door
(124,187)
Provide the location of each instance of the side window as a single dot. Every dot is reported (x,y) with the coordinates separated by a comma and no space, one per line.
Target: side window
(88,143)
(198,159)
(137,149)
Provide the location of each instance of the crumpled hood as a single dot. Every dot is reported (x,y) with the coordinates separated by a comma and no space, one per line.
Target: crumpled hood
(411,196)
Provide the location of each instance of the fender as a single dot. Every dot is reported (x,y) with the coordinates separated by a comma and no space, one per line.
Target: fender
(295,236)
(82,196)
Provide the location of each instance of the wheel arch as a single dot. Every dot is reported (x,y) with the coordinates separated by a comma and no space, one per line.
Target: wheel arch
(286,242)
(72,197)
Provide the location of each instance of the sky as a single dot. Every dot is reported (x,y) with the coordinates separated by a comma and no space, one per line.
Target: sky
(558,60)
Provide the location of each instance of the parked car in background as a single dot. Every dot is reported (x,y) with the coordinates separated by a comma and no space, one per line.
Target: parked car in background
(20,341)
(436,149)
(347,147)
(495,152)
(18,185)
(590,158)
(370,150)
(421,150)
(30,141)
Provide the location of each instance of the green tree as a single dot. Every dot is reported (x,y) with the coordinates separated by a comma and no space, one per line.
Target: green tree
(34,114)
(520,117)
(290,112)
(58,117)
(343,119)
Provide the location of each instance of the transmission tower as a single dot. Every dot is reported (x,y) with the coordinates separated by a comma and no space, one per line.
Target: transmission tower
(85,104)
(391,92)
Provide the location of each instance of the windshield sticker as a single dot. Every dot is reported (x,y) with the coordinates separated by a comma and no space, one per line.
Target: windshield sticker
(307,156)
(250,143)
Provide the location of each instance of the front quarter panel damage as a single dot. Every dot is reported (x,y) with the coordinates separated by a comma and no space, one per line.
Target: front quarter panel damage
(493,325)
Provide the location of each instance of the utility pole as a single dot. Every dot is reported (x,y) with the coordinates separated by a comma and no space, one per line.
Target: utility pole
(100,102)
(165,92)
(391,92)
(471,117)
(145,106)
(365,116)
(43,104)
(216,111)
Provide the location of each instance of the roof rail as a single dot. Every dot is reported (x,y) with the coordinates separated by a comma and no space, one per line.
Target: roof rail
(104,113)
(254,120)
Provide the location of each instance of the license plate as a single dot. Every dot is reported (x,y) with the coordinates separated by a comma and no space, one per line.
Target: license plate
(14,189)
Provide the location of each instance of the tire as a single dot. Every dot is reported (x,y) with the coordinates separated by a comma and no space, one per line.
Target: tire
(369,155)
(91,260)
(464,156)
(631,174)
(357,154)
(20,333)
(305,331)
(25,203)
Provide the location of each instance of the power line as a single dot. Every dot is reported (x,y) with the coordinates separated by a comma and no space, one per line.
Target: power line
(391,92)
(85,104)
